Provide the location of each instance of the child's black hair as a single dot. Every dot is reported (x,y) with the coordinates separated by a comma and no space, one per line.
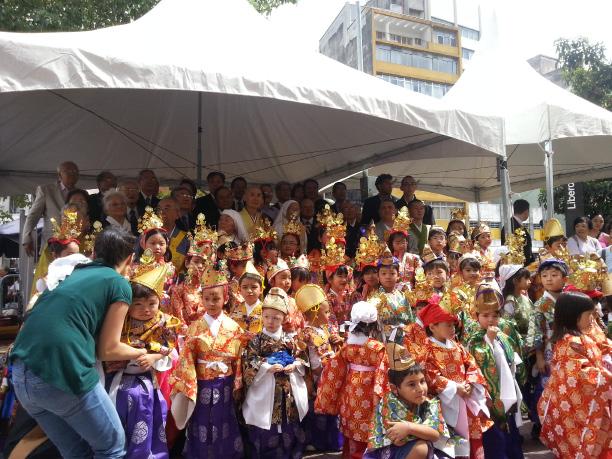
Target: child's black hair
(508,289)
(568,308)
(470,263)
(559,266)
(435,231)
(56,248)
(141,291)
(397,377)
(393,237)
(301,274)
(259,246)
(437,263)
(366,329)
(342,270)
(153,232)
(551,240)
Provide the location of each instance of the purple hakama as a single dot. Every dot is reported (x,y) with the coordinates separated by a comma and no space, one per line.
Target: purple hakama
(213,430)
(270,444)
(322,431)
(142,410)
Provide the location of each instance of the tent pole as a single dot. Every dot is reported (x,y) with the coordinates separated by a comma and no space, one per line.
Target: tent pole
(548,167)
(506,215)
(359,38)
(477,204)
(199,160)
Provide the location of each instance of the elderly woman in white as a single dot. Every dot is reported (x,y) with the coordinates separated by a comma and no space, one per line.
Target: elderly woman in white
(231,225)
(114,204)
(581,243)
(287,210)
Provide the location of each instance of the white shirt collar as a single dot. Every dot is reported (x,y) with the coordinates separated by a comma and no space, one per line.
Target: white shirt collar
(356,338)
(276,335)
(448,344)
(214,324)
(125,225)
(549,296)
(249,308)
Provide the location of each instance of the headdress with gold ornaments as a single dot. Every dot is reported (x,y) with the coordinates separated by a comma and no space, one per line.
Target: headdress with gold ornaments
(422,291)
(309,297)
(488,299)
(251,271)
(455,300)
(455,241)
(552,228)
(428,256)
(387,259)
(241,252)
(334,224)
(401,222)
(263,232)
(587,272)
(149,221)
(458,215)
(69,230)
(202,235)
(90,239)
(294,226)
(299,262)
(516,244)
(151,274)
(215,275)
(480,229)
(280,266)
(332,256)
(370,249)
(399,358)
(276,299)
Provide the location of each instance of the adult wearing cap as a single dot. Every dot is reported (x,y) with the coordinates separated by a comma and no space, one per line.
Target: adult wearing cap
(521,214)
(369,212)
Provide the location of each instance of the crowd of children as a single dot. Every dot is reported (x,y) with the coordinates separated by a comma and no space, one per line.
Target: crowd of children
(387,355)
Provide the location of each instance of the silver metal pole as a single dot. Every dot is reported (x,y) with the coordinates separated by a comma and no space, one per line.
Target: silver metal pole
(478,205)
(506,214)
(548,167)
(199,160)
(26,263)
(359,38)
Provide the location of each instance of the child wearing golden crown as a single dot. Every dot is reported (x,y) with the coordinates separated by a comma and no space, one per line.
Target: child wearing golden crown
(404,246)
(366,258)
(276,398)
(186,297)
(415,336)
(452,375)
(407,424)
(279,276)
(247,313)
(300,272)
(292,240)
(354,380)
(495,355)
(321,430)
(265,250)
(481,238)
(337,277)
(394,312)
(207,376)
(133,385)
(436,270)
(237,258)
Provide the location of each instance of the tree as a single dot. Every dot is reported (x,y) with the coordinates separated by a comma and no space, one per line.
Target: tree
(73,15)
(586,69)
(597,198)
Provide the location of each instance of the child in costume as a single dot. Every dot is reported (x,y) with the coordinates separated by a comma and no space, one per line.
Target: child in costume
(265,250)
(514,281)
(469,268)
(186,297)
(436,239)
(415,336)
(207,376)
(553,274)
(322,432)
(300,272)
(394,312)
(454,252)
(337,277)
(436,271)
(496,358)
(406,423)
(132,385)
(237,258)
(354,380)
(366,260)
(276,398)
(481,238)
(575,405)
(247,314)
(403,246)
(452,375)
(279,276)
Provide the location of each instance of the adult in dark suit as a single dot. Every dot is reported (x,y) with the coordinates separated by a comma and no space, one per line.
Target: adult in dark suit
(521,214)
(353,230)
(105,180)
(48,203)
(408,187)
(184,197)
(149,188)
(207,204)
(311,191)
(307,215)
(129,187)
(369,212)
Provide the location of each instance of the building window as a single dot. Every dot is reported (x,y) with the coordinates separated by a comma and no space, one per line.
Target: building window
(410,58)
(467,54)
(424,87)
(441,21)
(470,34)
(445,38)
(442,209)
(416,13)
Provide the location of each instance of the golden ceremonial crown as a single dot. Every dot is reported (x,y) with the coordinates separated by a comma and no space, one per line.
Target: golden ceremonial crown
(401,222)
(241,252)
(263,231)
(399,359)
(90,239)
(428,255)
(422,291)
(299,262)
(370,249)
(333,223)
(458,214)
(70,227)
(455,240)
(149,221)
(215,274)
(151,273)
(487,299)
(332,255)
(202,235)
(587,272)
(480,229)
(293,225)
(516,244)
(309,296)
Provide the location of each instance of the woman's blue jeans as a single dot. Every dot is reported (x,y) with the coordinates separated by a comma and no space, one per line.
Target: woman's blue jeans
(80,426)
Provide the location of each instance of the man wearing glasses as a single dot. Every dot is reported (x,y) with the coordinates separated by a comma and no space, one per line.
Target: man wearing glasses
(409,186)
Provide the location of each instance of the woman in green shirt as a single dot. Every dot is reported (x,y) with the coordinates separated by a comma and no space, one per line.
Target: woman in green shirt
(54,356)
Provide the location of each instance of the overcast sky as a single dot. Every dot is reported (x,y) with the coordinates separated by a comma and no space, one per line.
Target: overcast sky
(533,24)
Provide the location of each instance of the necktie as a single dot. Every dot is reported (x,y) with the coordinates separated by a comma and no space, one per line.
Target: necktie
(133,221)
(148,201)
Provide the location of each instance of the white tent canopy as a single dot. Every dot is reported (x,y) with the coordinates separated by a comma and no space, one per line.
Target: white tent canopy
(266,113)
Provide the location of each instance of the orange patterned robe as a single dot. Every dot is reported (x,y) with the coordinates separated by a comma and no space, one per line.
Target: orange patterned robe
(574,408)
(415,340)
(186,302)
(455,364)
(351,385)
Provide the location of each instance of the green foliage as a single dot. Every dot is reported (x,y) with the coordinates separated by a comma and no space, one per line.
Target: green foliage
(74,15)
(597,198)
(586,69)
